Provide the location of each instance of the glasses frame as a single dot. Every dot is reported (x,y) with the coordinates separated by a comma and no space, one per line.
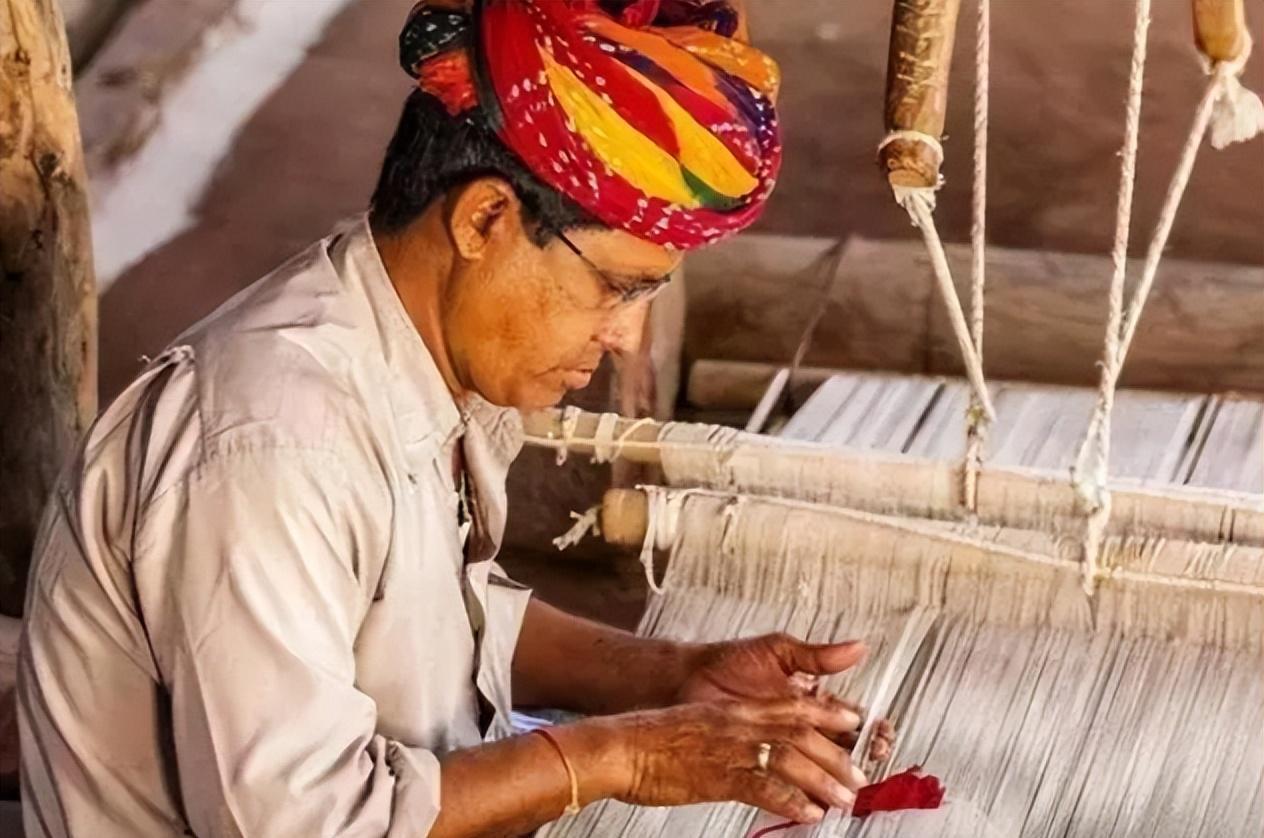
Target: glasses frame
(626,296)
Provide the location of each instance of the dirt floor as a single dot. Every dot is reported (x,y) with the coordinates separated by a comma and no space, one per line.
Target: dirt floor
(308,156)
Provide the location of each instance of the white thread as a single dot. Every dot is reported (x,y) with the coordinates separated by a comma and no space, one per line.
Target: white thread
(570,422)
(589,521)
(607,449)
(666,508)
(603,437)
(662,515)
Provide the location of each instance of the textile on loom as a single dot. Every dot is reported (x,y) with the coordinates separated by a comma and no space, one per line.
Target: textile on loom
(1045,712)
(654,115)
(1043,715)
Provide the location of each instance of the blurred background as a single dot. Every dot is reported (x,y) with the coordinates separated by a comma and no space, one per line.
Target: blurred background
(224,135)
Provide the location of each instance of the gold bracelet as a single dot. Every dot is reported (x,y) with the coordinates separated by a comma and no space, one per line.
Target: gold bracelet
(573,807)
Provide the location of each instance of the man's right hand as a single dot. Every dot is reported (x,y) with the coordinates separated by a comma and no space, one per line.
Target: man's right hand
(709,752)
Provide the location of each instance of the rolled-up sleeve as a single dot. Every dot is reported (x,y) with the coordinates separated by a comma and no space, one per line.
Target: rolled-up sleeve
(269,559)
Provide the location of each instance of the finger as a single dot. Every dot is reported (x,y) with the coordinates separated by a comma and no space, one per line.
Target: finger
(879,749)
(775,795)
(823,712)
(832,759)
(820,660)
(797,769)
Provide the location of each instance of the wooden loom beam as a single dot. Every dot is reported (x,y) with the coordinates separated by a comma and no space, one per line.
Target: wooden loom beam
(871,481)
(625,524)
(922,36)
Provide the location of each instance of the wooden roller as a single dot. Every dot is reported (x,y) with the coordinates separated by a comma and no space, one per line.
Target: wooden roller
(625,516)
(922,35)
(1220,29)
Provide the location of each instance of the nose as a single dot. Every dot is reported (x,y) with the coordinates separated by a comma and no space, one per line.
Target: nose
(622,331)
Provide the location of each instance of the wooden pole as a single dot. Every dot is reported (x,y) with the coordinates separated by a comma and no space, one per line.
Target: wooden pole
(922,36)
(47,293)
(1220,28)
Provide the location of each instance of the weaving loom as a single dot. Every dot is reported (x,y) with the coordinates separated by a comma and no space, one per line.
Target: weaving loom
(1064,604)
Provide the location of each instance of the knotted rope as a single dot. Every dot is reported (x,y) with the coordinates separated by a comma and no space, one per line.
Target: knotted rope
(1231,114)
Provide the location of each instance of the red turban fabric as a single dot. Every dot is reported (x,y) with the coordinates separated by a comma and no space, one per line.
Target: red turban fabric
(654,115)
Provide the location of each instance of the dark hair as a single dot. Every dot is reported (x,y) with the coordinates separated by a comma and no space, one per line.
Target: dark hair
(433,152)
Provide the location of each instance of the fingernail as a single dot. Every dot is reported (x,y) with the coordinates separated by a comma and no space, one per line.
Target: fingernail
(858,777)
(813,814)
(843,796)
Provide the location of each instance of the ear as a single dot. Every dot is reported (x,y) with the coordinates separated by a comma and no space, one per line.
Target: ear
(480,212)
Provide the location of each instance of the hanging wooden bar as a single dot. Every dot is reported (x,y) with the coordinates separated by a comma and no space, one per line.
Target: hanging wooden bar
(922,35)
(1220,28)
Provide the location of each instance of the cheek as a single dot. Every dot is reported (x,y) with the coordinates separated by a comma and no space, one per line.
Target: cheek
(511,336)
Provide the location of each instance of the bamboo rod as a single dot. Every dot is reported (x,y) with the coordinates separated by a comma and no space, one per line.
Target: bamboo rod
(1220,28)
(920,59)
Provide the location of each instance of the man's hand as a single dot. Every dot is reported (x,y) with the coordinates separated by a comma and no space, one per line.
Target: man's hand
(772,666)
(710,751)
(776,666)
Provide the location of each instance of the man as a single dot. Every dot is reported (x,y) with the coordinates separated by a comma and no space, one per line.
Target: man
(264,601)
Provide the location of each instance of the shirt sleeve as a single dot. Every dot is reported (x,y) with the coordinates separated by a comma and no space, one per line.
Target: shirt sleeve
(270,559)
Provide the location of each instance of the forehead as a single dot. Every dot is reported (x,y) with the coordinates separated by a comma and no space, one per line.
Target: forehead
(620,252)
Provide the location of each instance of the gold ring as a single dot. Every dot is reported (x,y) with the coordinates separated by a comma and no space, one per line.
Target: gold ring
(765,754)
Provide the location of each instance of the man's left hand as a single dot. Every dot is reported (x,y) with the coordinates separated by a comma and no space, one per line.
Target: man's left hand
(775,666)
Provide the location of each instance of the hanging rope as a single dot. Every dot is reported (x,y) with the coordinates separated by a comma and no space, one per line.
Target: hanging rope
(977,421)
(1231,114)
(911,154)
(1091,466)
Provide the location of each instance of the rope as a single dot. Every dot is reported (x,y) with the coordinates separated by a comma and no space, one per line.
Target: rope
(920,204)
(1091,466)
(1231,114)
(977,423)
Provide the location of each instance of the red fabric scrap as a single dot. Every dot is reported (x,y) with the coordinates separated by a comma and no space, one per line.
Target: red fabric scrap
(907,790)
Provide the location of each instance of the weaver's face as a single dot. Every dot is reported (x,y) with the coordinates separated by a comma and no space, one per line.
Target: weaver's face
(526,324)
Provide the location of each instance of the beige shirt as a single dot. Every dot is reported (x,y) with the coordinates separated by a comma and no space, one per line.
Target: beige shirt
(251,611)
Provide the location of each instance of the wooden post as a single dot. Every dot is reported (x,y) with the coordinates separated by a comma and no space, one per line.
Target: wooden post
(1220,28)
(47,293)
(922,36)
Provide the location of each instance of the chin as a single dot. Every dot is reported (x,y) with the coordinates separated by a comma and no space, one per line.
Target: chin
(535,395)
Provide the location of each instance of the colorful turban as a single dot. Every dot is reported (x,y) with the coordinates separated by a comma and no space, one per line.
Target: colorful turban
(654,115)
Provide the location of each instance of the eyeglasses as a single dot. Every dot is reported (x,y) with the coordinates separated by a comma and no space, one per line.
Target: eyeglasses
(641,290)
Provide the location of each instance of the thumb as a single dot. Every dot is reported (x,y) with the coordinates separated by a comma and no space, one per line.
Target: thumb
(825,659)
